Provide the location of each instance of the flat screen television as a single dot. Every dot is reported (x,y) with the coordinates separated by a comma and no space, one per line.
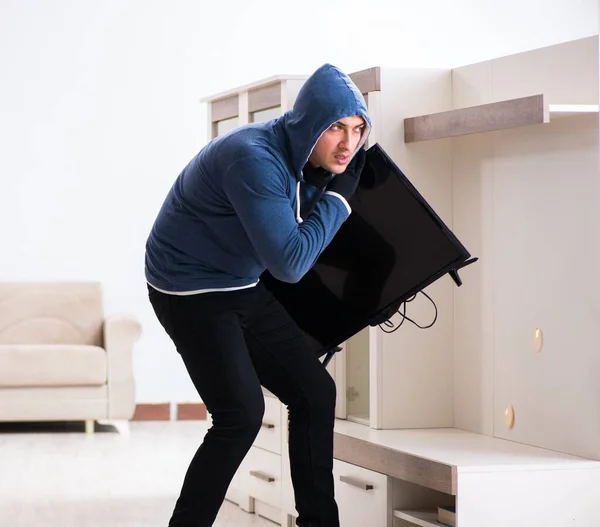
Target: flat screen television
(391,247)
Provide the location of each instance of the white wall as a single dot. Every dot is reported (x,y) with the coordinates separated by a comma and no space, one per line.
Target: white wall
(99,111)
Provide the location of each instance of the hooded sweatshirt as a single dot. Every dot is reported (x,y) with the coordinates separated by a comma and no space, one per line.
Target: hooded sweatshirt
(241,206)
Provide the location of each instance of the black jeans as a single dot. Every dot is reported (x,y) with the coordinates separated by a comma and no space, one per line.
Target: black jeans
(232,342)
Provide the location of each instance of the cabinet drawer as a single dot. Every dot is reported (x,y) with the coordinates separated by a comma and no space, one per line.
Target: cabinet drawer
(363,496)
(269,435)
(260,476)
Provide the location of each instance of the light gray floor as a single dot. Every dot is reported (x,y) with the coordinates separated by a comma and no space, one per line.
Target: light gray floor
(57,476)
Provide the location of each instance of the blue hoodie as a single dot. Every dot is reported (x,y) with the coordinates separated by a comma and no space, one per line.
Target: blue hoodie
(241,205)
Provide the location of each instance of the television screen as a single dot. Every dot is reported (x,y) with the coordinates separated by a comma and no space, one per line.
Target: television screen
(391,247)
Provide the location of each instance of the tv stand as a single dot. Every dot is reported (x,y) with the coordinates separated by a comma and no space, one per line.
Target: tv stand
(330,355)
(454,272)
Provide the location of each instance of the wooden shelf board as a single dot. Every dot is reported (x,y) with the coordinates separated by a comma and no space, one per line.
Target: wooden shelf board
(467,451)
(422,518)
(435,457)
(385,459)
(360,419)
(511,113)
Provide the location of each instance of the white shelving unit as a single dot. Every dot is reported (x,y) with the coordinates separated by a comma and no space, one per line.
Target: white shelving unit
(472,412)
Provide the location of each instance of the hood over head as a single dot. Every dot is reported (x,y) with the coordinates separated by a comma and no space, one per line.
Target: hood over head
(327,96)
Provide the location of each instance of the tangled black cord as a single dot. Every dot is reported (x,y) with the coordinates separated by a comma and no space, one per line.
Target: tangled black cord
(389,324)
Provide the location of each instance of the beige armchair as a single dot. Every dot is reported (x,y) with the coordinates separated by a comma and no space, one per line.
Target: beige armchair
(61,359)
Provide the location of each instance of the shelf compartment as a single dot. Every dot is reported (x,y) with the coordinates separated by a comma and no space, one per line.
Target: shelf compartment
(421,518)
(511,113)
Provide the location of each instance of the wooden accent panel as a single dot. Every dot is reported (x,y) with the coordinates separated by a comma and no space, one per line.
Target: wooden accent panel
(191,412)
(224,108)
(511,113)
(152,412)
(264,97)
(431,474)
(367,80)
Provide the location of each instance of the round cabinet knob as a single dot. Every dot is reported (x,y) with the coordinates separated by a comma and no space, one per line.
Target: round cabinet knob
(538,340)
(509,416)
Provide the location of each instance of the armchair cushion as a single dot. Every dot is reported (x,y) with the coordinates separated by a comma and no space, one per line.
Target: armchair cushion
(30,365)
(51,313)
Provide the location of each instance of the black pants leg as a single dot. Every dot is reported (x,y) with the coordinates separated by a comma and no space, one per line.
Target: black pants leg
(207,332)
(231,342)
(288,368)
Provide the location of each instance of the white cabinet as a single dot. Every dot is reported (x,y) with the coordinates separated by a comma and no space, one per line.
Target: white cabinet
(526,201)
(269,436)
(546,323)
(260,477)
(363,496)
(407,474)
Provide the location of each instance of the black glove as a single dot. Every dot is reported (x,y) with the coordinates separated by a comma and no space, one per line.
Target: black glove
(347,182)
(318,177)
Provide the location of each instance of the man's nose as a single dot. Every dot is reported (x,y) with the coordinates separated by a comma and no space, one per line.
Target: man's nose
(345,141)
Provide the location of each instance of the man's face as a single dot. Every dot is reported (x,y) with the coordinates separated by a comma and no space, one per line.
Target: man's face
(334,148)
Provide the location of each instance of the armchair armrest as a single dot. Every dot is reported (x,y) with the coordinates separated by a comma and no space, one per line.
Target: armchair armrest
(120,333)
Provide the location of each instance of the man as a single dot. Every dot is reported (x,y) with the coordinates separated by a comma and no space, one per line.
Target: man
(265,197)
